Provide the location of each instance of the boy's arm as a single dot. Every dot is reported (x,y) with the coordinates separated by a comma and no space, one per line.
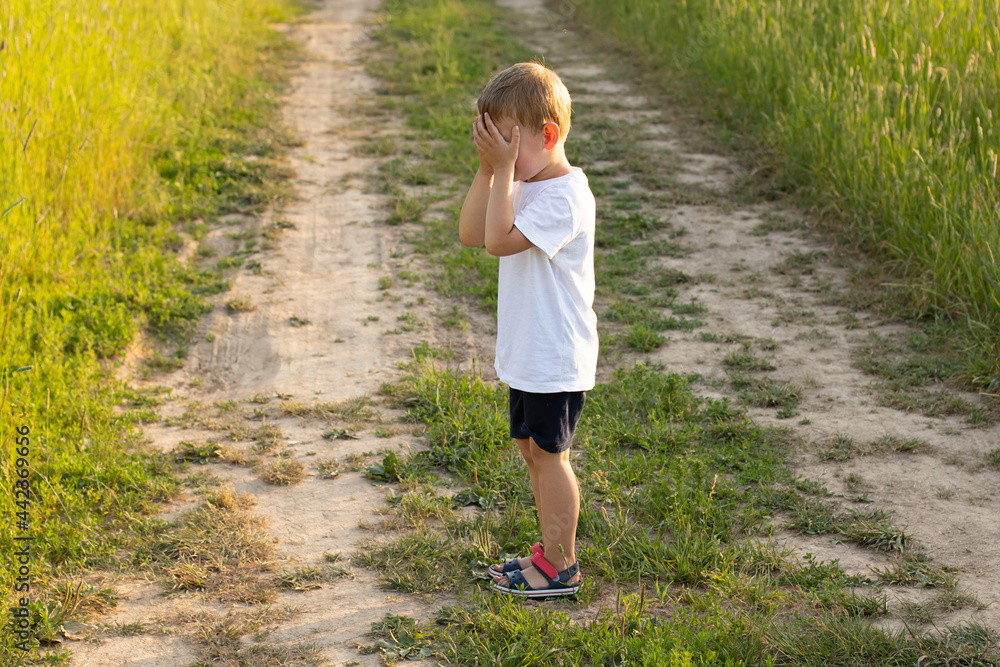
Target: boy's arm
(502,237)
(472,219)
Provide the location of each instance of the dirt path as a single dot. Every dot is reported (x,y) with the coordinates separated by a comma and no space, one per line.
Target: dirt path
(318,333)
(766,282)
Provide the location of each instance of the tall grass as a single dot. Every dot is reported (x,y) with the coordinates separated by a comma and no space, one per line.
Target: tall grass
(117,120)
(881,112)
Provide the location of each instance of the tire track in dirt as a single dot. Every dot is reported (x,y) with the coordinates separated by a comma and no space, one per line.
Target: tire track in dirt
(942,495)
(317,333)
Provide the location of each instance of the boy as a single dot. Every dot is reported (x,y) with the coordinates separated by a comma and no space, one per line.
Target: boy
(536,212)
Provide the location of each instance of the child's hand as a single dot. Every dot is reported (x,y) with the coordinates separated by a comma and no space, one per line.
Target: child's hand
(484,164)
(494,150)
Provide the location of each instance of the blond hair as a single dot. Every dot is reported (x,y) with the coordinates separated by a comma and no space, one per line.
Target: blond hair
(529,93)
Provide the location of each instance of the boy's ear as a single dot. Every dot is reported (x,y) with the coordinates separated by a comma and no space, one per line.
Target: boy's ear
(551,134)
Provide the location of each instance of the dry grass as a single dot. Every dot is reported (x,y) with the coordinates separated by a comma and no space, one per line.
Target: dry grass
(218,548)
(283,472)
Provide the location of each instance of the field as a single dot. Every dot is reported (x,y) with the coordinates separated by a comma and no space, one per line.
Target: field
(254,359)
(123,133)
(881,115)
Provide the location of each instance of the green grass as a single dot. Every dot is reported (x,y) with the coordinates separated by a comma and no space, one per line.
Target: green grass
(439,55)
(678,494)
(883,115)
(127,130)
(912,371)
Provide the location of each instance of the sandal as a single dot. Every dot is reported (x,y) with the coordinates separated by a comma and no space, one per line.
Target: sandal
(509,565)
(558,586)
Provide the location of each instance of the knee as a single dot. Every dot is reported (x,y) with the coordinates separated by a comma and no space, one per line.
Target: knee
(526,450)
(541,457)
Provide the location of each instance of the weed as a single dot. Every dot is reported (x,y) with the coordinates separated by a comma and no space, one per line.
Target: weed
(799,263)
(853,480)
(375,146)
(240,305)
(839,448)
(309,578)
(993,458)
(916,569)
(894,443)
(765,393)
(953,598)
(339,434)
(453,318)
(212,548)
(267,438)
(404,208)
(357,409)
(189,451)
(745,360)
(283,472)
(642,339)
(722,338)
(238,638)
(400,638)
(386,471)
(410,322)
(332,468)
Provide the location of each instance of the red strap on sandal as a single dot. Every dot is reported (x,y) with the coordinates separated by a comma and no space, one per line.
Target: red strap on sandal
(546,568)
(537,550)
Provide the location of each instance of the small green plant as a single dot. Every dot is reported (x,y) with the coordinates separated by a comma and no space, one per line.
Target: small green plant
(453,318)
(309,577)
(765,393)
(400,638)
(267,438)
(386,471)
(839,448)
(993,458)
(376,146)
(745,360)
(240,305)
(693,307)
(404,209)
(641,338)
(916,569)
(190,451)
(339,434)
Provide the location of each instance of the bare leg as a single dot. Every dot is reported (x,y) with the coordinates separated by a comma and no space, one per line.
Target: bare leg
(529,459)
(557,497)
(525,447)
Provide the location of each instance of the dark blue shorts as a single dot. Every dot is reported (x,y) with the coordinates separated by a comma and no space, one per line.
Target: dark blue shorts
(548,419)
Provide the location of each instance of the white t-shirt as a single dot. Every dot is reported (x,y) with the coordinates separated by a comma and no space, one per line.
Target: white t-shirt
(546,325)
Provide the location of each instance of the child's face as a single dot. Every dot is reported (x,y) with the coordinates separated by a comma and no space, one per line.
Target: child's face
(535,152)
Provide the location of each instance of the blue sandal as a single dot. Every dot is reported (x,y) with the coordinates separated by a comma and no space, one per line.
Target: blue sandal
(509,565)
(558,586)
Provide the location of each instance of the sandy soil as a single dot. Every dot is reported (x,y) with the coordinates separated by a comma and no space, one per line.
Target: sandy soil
(326,270)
